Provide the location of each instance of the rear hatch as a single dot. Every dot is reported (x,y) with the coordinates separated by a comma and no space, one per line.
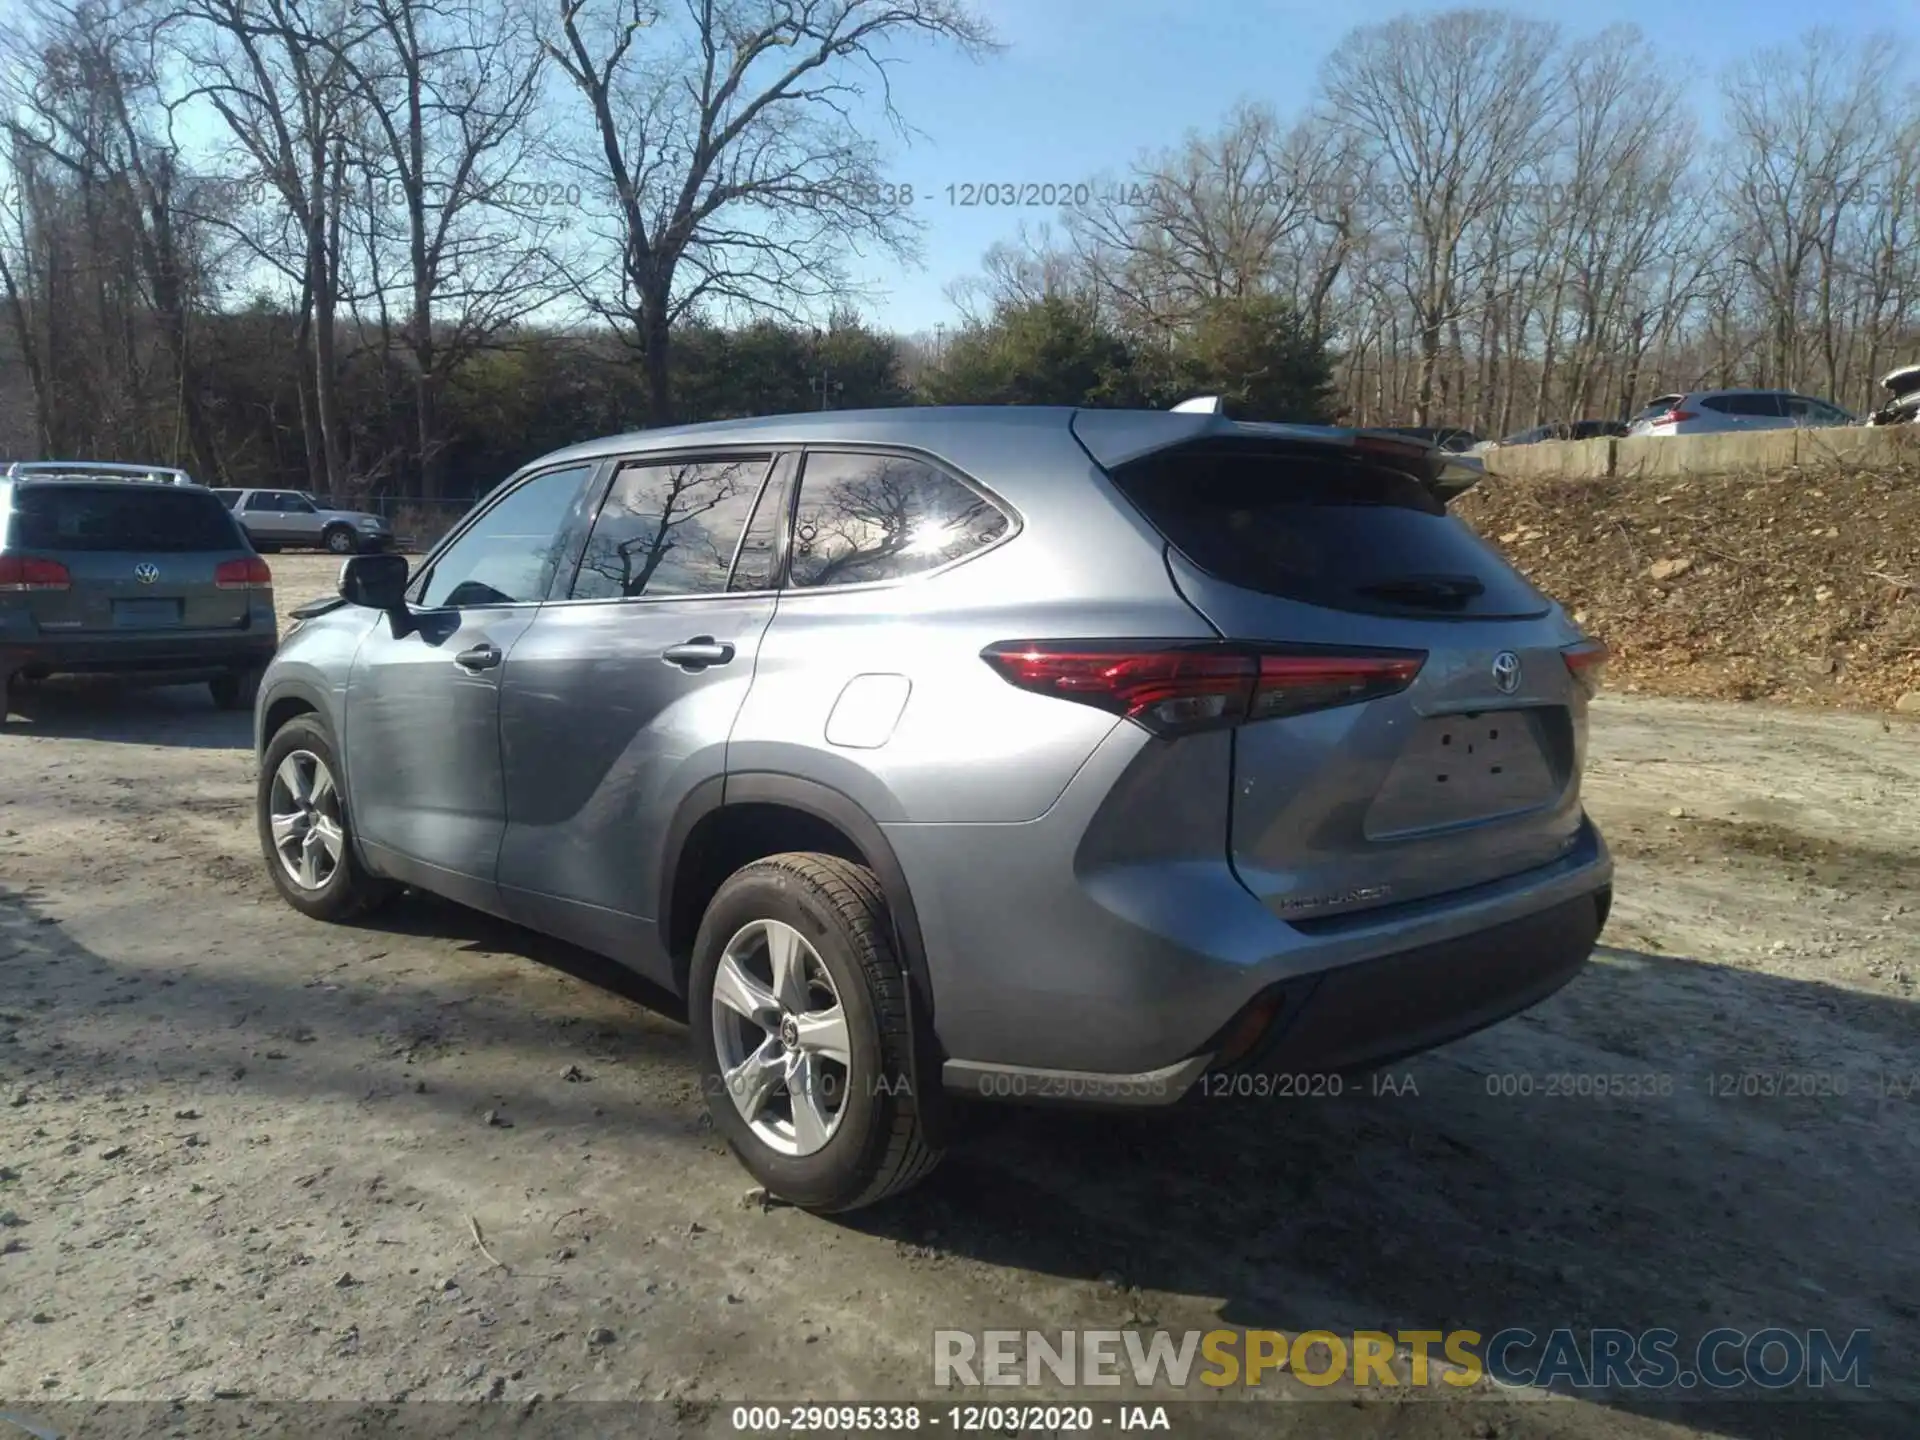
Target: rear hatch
(1469,773)
(139,556)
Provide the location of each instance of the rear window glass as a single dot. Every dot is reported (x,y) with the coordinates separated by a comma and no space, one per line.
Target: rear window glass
(69,516)
(1659,406)
(1337,532)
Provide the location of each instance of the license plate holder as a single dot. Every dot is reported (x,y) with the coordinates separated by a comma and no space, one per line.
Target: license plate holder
(145,614)
(1459,769)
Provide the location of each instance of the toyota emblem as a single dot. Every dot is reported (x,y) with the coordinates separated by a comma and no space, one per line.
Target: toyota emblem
(146,572)
(1506,672)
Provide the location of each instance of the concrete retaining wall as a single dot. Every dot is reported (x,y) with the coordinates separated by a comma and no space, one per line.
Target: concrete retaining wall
(1654,457)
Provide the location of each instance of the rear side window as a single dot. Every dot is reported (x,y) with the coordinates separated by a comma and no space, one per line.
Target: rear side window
(669,528)
(868,517)
(1333,531)
(1744,404)
(158,518)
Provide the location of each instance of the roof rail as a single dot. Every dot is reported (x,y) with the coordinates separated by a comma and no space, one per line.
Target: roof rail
(1200,405)
(84,469)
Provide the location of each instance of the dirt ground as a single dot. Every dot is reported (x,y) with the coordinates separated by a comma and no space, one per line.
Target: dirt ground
(1800,585)
(245,1154)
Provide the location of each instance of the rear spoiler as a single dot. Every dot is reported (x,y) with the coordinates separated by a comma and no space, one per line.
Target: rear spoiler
(1113,438)
(1445,474)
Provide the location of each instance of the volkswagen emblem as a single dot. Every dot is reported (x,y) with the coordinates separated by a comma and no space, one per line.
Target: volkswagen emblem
(146,572)
(1506,672)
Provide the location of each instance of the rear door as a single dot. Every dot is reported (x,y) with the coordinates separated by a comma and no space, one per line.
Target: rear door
(620,697)
(1750,409)
(141,557)
(422,737)
(1469,774)
(300,519)
(260,513)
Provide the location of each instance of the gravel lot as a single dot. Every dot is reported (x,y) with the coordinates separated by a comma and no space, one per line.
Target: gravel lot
(438,1157)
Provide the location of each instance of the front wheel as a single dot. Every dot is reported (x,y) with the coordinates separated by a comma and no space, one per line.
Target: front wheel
(340,540)
(306,829)
(798,1009)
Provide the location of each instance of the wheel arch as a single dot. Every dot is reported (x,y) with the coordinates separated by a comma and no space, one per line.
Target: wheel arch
(281,703)
(728,821)
(763,799)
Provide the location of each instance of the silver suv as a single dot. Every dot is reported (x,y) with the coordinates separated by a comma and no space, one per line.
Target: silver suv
(1025,753)
(1706,412)
(274,519)
(105,573)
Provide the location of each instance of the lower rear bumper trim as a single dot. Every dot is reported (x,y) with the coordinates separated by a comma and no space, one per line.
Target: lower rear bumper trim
(1083,1087)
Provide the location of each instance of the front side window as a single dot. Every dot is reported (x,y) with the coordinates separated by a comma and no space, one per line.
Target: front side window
(866,517)
(669,528)
(509,554)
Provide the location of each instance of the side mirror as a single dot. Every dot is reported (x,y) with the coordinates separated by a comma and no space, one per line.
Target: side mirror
(378,582)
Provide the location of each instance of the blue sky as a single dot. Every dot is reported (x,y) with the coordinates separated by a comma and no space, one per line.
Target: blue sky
(1083,86)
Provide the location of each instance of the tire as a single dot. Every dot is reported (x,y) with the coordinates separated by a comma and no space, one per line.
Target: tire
(878,1143)
(346,889)
(340,540)
(237,689)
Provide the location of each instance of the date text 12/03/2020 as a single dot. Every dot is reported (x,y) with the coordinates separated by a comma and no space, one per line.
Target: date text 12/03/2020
(1032,194)
(1011,1419)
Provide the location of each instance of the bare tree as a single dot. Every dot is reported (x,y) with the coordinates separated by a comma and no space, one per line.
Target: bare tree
(292,115)
(1806,124)
(448,89)
(726,140)
(1456,108)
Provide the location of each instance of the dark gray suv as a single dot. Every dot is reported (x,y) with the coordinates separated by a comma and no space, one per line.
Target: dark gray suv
(1021,753)
(105,573)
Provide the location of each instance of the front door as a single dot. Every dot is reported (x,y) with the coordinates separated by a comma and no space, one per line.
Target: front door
(619,699)
(300,520)
(422,742)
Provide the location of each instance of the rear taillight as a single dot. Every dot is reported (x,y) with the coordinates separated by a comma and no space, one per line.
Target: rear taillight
(1587,663)
(29,572)
(249,574)
(1174,687)
(1674,417)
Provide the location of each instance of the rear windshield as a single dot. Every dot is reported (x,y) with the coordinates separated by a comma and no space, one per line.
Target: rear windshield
(1331,531)
(73,516)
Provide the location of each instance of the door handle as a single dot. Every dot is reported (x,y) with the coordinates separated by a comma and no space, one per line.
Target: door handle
(698,653)
(480,657)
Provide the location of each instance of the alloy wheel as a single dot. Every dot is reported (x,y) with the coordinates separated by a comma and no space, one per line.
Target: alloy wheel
(781,1037)
(303,809)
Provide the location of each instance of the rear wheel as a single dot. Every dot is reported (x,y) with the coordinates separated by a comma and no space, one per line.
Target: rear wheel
(306,829)
(340,540)
(797,1005)
(237,689)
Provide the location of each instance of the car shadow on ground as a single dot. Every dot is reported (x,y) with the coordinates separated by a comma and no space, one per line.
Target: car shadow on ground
(414,912)
(260,1035)
(1487,1185)
(1456,1202)
(126,713)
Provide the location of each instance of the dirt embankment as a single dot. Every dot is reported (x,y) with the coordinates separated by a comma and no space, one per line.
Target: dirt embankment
(1801,585)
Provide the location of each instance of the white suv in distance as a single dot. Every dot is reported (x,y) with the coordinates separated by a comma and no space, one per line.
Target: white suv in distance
(1706,412)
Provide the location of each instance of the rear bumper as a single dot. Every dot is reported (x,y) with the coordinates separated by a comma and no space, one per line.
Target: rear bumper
(1121,969)
(178,654)
(1344,1020)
